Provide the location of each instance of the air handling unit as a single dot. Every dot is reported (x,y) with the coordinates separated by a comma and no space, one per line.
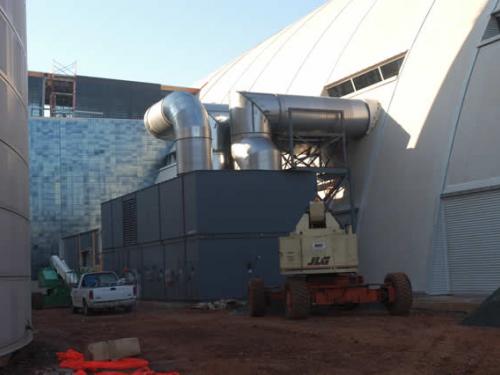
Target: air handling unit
(273,216)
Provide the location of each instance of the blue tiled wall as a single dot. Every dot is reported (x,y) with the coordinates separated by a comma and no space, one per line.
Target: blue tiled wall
(75,164)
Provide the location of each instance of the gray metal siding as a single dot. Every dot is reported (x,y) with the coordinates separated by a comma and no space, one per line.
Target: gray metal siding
(117,222)
(232,222)
(176,276)
(110,261)
(134,258)
(228,202)
(71,253)
(148,213)
(107,225)
(153,272)
(193,281)
(226,265)
(473,237)
(171,209)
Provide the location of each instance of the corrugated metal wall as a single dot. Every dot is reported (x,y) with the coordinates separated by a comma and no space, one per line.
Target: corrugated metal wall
(473,237)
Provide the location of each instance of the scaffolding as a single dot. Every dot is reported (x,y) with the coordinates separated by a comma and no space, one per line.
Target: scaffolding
(60,90)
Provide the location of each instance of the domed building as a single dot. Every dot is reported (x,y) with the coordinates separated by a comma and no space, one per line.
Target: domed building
(426,180)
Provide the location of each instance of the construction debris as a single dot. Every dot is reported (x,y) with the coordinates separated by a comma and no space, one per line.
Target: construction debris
(223,304)
(114,349)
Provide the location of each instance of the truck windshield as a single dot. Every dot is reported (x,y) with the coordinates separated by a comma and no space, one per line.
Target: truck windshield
(97,280)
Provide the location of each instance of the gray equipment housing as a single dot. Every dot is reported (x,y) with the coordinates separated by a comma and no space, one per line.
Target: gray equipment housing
(204,234)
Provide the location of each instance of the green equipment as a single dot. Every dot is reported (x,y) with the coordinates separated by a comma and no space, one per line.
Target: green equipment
(55,291)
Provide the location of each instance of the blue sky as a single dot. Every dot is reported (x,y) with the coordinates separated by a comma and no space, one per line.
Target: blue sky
(173,42)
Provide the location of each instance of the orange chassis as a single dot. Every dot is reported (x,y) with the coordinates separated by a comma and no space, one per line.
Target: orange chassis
(344,290)
(347,290)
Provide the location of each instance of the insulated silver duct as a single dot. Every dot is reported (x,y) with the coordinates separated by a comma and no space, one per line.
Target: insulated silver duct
(251,144)
(257,119)
(181,117)
(218,115)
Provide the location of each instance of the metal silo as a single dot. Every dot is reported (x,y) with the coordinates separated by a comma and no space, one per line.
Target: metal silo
(15,311)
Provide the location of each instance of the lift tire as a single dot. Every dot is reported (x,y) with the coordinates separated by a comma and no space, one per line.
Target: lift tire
(404,295)
(297,299)
(256,297)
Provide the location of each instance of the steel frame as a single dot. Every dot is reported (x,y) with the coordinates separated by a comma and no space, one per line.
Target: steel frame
(330,176)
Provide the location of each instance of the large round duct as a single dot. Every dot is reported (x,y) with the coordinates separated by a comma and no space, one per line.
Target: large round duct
(263,124)
(181,117)
(15,280)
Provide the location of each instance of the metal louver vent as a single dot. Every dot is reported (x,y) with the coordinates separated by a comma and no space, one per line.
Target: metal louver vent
(493,28)
(129,222)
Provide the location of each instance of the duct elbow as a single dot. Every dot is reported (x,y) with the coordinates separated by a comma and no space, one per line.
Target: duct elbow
(157,124)
(182,118)
(255,152)
(251,143)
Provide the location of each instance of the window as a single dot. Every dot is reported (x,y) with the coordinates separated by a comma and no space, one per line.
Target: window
(367,79)
(391,69)
(380,72)
(493,28)
(341,89)
(96,280)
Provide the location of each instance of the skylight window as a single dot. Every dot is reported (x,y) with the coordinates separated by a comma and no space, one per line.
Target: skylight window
(493,28)
(341,89)
(366,78)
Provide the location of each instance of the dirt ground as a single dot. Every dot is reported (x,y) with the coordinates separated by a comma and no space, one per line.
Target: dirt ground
(364,341)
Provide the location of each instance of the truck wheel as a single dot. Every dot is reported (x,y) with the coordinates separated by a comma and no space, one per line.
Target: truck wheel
(129,309)
(86,309)
(297,299)
(74,309)
(404,295)
(256,297)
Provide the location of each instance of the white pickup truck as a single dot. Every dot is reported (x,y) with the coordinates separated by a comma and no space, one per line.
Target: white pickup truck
(102,290)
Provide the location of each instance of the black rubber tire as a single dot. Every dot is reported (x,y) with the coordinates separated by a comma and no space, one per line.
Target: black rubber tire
(404,293)
(86,310)
(129,309)
(74,310)
(256,297)
(297,299)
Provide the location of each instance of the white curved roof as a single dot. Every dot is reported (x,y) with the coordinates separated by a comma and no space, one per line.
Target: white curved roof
(338,39)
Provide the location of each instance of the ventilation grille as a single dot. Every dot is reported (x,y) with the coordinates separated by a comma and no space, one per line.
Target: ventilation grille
(129,222)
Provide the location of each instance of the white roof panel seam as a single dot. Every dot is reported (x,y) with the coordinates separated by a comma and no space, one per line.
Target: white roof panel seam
(306,19)
(315,44)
